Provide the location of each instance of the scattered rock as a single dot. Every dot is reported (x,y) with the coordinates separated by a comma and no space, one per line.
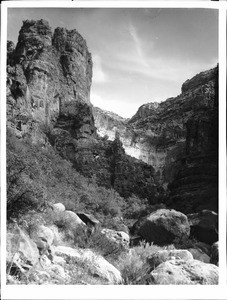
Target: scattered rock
(199,255)
(72,218)
(67,252)
(58,270)
(101,267)
(58,260)
(57,237)
(185,272)
(96,264)
(204,226)
(42,236)
(119,237)
(88,219)
(44,261)
(163,226)
(21,251)
(203,246)
(164,255)
(214,256)
(58,207)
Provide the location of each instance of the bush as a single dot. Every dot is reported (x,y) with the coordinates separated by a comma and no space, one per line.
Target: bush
(134,266)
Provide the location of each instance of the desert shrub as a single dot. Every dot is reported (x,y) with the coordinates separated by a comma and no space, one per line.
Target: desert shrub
(22,193)
(134,266)
(80,272)
(37,174)
(135,207)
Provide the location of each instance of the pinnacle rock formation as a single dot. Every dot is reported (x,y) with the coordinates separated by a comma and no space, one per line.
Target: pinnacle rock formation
(48,73)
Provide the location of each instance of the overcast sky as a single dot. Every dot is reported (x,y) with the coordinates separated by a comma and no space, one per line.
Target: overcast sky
(139,55)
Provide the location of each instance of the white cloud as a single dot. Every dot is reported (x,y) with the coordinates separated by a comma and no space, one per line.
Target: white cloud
(99,76)
(138,45)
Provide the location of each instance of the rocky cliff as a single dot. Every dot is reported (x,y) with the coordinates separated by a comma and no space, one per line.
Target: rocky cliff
(157,133)
(169,146)
(48,73)
(48,98)
(179,138)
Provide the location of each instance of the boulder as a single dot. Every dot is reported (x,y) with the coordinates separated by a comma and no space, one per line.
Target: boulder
(58,207)
(58,270)
(88,219)
(163,226)
(67,252)
(42,236)
(101,267)
(164,255)
(45,262)
(202,246)
(72,218)
(214,254)
(57,237)
(199,255)
(96,264)
(118,237)
(21,250)
(185,272)
(58,260)
(204,226)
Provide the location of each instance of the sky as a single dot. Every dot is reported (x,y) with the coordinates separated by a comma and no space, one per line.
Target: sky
(139,55)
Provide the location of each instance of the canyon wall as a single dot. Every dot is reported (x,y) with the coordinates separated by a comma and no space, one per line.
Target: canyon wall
(156,134)
(48,73)
(166,152)
(48,100)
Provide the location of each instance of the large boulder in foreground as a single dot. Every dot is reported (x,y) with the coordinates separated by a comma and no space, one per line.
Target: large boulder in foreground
(164,255)
(96,264)
(185,272)
(163,226)
(22,252)
(204,226)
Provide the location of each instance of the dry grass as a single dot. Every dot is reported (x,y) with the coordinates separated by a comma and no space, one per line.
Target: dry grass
(134,267)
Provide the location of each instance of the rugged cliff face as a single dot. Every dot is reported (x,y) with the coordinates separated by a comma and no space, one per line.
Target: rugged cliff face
(169,146)
(48,98)
(157,133)
(179,138)
(48,74)
(195,186)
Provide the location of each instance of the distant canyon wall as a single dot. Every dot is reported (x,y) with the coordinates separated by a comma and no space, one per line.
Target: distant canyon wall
(157,133)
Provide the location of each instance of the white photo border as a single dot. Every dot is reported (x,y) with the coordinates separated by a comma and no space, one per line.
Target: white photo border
(120,292)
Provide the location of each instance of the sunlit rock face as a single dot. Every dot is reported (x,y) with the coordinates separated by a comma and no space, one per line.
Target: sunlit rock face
(157,133)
